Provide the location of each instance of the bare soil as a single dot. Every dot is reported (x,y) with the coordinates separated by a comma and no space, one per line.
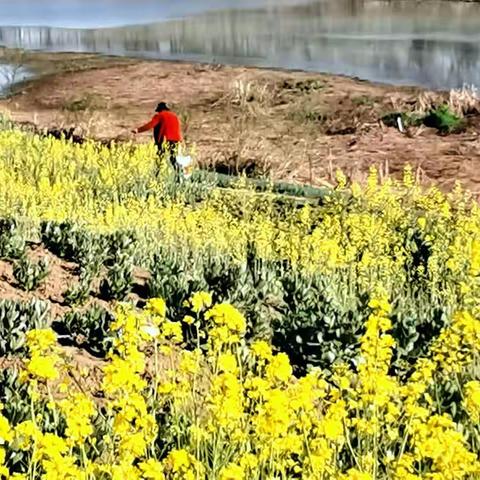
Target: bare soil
(61,275)
(298,126)
(87,369)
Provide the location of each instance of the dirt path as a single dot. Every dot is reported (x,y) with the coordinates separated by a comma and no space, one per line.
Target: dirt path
(299,126)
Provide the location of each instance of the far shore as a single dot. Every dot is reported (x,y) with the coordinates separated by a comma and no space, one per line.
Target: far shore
(297,126)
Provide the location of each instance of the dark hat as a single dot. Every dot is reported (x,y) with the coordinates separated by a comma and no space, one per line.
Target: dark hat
(161,107)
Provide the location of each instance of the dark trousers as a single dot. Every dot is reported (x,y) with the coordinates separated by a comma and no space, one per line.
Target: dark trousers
(169,150)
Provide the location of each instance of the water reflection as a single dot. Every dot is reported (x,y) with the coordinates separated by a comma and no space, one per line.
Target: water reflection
(10,75)
(436,44)
(110,13)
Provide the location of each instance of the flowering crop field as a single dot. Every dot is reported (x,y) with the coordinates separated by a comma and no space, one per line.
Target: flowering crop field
(267,337)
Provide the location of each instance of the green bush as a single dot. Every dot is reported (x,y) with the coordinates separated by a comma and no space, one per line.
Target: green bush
(17,407)
(408,119)
(78,294)
(257,290)
(16,319)
(14,396)
(120,245)
(92,251)
(72,243)
(441,118)
(120,260)
(59,238)
(119,280)
(89,329)
(12,241)
(444,120)
(30,274)
(174,278)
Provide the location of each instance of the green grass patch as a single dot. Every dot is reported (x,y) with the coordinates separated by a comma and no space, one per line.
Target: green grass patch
(444,120)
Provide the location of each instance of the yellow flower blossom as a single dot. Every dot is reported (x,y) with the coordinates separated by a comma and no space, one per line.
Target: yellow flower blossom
(232,472)
(157,306)
(151,470)
(43,367)
(472,400)
(200,301)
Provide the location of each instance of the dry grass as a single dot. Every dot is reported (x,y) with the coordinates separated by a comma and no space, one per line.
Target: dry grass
(462,101)
(253,97)
(88,124)
(87,102)
(245,154)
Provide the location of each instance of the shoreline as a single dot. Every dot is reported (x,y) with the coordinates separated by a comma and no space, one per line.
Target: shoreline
(40,59)
(295,125)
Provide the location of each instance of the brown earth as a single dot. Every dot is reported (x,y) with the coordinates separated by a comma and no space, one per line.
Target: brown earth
(298,126)
(61,275)
(86,369)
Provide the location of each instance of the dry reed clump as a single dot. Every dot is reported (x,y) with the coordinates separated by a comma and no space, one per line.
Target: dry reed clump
(87,124)
(465,100)
(462,101)
(242,157)
(253,97)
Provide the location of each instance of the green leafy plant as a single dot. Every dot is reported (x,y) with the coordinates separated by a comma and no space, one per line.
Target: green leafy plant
(175,278)
(317,329)
(14,396)
(79,293)
(12,241)
(119,280)
(58,238)
(91,251)
(408,119)
(16,319)
(120,245)
(259,293)
(444,120)
(89,329)
(72,243)
(16,401)
(30,274)
(17,407)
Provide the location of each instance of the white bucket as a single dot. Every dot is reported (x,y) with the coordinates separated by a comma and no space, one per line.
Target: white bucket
(186,164)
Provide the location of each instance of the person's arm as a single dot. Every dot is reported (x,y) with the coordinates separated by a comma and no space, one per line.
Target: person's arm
(148,126)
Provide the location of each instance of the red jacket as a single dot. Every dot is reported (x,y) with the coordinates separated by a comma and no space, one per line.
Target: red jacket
(166,126)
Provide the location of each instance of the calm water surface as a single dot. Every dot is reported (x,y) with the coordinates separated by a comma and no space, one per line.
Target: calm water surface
(11,74)
(431,43)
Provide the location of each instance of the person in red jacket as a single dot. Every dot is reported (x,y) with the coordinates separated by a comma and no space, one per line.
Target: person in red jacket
(166,132)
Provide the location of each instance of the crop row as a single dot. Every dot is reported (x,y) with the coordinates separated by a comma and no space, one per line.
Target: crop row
(316,318)
(228,409)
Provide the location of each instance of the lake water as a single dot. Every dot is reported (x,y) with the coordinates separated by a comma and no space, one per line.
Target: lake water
(430,43)
(11,74)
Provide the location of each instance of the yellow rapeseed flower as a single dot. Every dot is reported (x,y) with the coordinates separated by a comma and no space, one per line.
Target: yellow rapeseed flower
(43,367)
